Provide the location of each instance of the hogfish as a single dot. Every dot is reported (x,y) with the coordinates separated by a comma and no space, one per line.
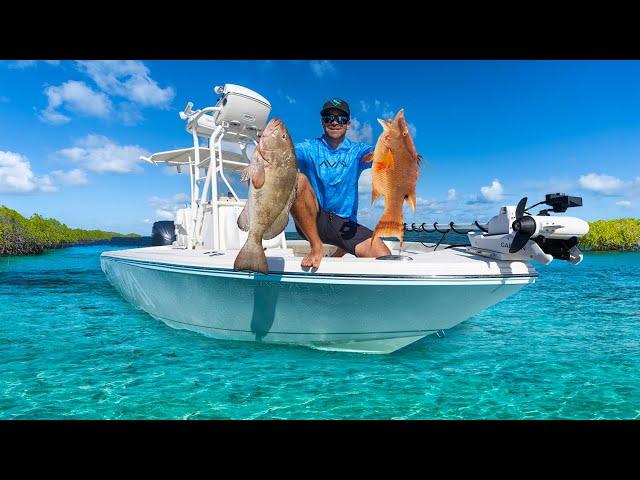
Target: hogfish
(394,174)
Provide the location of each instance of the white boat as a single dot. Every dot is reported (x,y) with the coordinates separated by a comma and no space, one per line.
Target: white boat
(368,305)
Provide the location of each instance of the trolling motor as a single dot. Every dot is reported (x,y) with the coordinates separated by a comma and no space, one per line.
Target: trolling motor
(515,234)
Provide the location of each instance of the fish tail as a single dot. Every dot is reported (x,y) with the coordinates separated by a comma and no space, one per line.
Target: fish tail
(251,257)
(389,225)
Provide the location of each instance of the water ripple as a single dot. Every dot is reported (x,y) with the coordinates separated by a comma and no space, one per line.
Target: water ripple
(565,347)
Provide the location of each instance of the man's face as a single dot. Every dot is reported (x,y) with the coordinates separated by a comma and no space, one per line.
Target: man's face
(334,129)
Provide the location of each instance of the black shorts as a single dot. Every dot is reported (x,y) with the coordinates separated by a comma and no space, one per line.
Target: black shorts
(339,231)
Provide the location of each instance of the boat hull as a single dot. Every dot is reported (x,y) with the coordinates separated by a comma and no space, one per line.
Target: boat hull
(366,314)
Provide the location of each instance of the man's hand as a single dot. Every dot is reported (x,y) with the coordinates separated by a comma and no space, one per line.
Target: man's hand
(368,157)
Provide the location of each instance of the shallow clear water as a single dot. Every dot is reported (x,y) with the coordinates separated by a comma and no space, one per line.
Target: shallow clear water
(565,347)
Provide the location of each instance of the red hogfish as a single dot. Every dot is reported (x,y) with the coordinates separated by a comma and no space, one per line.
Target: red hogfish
(394,174)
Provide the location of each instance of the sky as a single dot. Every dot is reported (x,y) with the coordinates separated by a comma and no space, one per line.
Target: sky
(491,132)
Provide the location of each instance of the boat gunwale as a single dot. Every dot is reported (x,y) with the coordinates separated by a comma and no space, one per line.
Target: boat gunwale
(307,275)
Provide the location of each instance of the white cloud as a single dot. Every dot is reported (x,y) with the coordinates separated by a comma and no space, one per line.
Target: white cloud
(413,130)
(100,154)
(624,203)
(322,68)
(365,186)
(165,214)
(76,97)
(16,175)
(22,64)
(72,177)
(425,208)
(364,106)
(492,193)
(129,113)
(388,114)
(45,184)
(166,208)
(129,79)
(606,184)
(360,132)
(451,194)
(288,98)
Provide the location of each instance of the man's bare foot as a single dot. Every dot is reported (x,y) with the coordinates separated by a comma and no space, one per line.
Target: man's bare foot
(314,258)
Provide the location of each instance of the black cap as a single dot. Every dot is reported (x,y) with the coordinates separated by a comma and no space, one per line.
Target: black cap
(336,103)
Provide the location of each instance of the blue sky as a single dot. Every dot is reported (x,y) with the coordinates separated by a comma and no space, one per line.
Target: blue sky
(491,131)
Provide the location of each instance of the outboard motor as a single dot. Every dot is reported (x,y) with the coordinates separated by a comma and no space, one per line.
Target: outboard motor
(516,234)
(163,233)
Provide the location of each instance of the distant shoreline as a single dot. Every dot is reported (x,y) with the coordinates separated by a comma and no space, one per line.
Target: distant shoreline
(32,236)
(616,235)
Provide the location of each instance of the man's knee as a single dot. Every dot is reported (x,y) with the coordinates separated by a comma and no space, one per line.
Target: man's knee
(305,193)
(303,182)
(367,248)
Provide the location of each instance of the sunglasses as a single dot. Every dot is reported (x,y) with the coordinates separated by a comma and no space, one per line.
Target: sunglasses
(341,119)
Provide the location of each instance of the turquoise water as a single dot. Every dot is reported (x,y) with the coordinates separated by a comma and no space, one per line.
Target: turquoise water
(567,347)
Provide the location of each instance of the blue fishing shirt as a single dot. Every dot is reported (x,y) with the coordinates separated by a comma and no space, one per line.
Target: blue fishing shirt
(334,173)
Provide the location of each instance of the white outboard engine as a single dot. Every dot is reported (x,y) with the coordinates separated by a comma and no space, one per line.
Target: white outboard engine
(512,235)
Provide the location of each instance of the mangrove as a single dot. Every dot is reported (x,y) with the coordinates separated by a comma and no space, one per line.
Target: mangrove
(29,236)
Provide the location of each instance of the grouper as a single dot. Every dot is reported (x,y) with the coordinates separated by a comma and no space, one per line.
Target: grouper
(272,177)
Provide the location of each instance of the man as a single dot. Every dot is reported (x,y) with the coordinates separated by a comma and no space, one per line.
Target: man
(326,204)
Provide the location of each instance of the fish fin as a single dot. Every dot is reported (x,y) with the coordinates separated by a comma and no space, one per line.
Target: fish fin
(385,124)
(387,159)
(389,225)
(244,175)
(375,193)
(258,177)
(251,257)
(382,163)
(281,221)
(386,162)
(411,200)
(255,172)
(243,218)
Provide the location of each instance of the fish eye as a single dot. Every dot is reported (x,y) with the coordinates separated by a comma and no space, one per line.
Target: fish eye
(404,134)
(284,137)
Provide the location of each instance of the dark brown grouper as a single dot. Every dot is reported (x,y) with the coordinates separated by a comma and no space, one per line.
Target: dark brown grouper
(273,173)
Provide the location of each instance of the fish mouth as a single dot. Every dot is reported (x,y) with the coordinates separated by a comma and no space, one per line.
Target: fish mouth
(272,129)
(273,125)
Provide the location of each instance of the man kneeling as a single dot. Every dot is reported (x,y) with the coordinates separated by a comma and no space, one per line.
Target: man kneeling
(326,204)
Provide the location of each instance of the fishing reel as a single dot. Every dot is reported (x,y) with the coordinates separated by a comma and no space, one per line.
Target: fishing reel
(516,234)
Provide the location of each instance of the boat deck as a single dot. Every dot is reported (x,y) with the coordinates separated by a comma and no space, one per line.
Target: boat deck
(449,263)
